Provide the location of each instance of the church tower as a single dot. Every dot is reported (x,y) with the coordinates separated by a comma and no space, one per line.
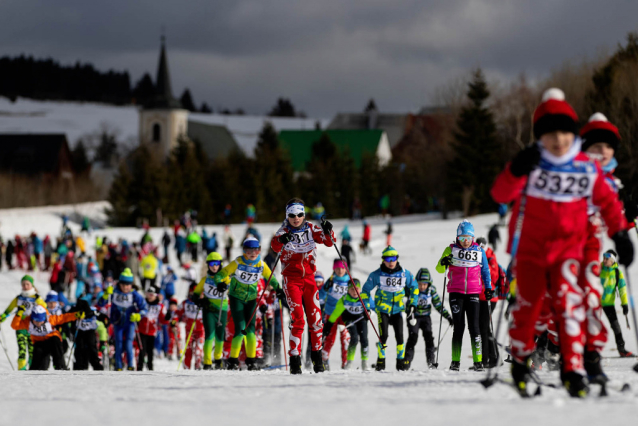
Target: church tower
(163,120)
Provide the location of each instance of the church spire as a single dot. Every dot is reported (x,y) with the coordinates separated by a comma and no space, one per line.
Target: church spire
(163,94)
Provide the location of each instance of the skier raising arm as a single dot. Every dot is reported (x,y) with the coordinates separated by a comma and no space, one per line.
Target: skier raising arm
(296,241)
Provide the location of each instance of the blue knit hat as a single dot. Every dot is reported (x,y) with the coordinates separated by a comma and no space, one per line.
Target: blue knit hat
(52,296)
(38,314)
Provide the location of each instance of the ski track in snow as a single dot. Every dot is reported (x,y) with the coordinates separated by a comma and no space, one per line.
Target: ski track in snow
(166,397)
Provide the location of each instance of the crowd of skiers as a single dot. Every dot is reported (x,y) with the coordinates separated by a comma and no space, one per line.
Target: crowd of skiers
(556,286)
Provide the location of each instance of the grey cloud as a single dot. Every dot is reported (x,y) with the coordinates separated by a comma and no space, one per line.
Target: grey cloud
(328,55)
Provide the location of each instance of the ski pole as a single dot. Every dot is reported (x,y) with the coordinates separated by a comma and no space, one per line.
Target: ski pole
(272,336)
(489,380)
(334,244)
(283,335)
(444,334)
(436,364)
(75,338)
(6,352)
(188,339)
(633,307)
(627,319)
(221,305)
(272,274)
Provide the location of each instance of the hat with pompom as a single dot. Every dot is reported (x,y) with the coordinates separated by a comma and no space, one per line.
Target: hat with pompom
(599,129)
(554,114)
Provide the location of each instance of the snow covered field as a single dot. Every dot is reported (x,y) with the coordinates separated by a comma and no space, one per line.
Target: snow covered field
(419,396)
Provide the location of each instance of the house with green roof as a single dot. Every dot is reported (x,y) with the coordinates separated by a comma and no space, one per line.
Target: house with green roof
(299,143)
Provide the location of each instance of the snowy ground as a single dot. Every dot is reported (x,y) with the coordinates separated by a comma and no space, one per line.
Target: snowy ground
(274,397)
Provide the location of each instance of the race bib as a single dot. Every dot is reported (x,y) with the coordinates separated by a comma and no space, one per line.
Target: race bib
(211,291)
(190,311)
(302,241)
(339,289)
(562,185)
(425,301)
(392,283)
(246,274)
(41,330)
(466,258)
(28,305)
(354,308)
(90,324)
(123,301)
(153,312)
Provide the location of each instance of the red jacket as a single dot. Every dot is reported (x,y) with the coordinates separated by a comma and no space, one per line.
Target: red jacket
(555,218)
(366,233)
(189,312)
(154,317)
(493,264)
(298,256)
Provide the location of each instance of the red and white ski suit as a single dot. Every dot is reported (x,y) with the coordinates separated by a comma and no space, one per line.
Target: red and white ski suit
(298,270)
(190,313)
(552,243)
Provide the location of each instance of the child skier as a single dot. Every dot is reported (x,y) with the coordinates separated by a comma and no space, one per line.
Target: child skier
(191,314)
(613,280)
(212,300)
(349,311)
(85,340)
(296,241)
(422,319)
(244,273)
(149,326)
(394,283)
(127,308)
(467,273)
(46,339)
(334,289)
(550,183)
(28,298)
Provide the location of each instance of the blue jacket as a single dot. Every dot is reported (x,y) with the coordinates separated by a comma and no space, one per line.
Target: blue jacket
(123,305)
(334,289)
(392,287)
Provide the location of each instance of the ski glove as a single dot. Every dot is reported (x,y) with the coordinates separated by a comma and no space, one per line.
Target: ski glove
(451,321)
(285,238)
(263,309)
(3,317)
(409,311)
(198,301)
(222,286)
(624,248)
(281,295)
(21,310)
(79,315)
(135,317)
(327,227)
(525,161)
(447,260)
(625,309)
(108,291)
(489,293)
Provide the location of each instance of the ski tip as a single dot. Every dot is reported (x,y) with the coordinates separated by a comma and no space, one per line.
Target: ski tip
(636,368)
(487,383)
(603,391)
(538,392)
(625,387)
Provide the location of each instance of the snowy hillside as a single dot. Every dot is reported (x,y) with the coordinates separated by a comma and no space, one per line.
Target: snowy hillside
(419,396)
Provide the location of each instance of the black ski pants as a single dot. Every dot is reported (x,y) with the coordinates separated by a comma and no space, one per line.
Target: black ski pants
(86,351)
(43,349)
(423,323)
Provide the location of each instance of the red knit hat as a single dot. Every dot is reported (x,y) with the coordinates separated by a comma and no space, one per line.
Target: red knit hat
(599,129)
(553,114)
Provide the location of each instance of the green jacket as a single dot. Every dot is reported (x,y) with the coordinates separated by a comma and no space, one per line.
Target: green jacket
(244,277)
(612,278)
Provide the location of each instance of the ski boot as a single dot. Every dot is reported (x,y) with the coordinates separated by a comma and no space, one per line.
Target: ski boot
(348,365)
(317,362)
(233,364)
(455,366)
(401,365)
(218,364)
(552,356)
(295,364)
(478,366)
(252,364)
(326,365)
(593,368)
(364,365)
(520,376)
(207,367)
(118,369)
(538,357)
(623,352)
(380,365)
(406,364)
(131,368)
(575,384)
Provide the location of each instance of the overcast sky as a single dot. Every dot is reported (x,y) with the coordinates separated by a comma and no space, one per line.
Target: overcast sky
(325,55)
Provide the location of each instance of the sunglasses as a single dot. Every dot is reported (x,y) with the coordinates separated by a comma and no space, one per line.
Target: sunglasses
(252,249)
(292,215)
(607,255)
(390,258)
(215,263)
(464,239)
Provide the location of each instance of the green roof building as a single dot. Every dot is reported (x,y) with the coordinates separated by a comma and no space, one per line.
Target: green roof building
(299,143)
